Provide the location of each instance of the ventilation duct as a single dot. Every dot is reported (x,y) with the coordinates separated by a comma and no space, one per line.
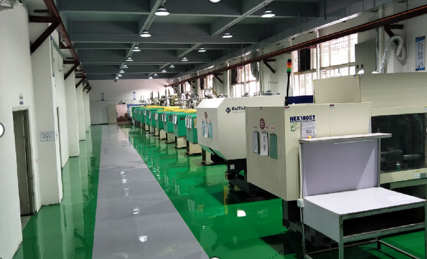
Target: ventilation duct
(400,52)
(255,66)
(8,4)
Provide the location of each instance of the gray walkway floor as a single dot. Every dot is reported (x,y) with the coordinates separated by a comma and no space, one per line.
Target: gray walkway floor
(134,216)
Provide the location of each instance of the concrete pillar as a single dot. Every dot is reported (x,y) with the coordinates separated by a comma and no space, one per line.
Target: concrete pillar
(46,119)
(87,110)
(81,112)
(72,119)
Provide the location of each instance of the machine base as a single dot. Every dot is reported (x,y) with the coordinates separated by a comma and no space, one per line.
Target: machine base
(170,138)
(146,127)
(193,149)
(152,130)
(180,142)
(156,132)
(162,135)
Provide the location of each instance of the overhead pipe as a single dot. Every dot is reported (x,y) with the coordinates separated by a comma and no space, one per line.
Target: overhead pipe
(358,29)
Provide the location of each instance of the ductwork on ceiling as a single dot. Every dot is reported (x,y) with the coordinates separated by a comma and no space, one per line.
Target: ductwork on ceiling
(400,51)
(8,4)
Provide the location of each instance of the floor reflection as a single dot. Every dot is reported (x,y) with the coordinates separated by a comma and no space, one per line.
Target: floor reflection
(66,230)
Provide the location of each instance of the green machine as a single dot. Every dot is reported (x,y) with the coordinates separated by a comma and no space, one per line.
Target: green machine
(193,148)
(168,125)
(149,112)
(135,115)
(179,129)
(158,126)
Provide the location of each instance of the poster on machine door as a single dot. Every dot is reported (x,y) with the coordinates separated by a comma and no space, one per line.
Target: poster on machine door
(420,53)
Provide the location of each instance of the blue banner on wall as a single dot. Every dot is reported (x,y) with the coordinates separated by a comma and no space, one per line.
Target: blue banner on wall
(420,53)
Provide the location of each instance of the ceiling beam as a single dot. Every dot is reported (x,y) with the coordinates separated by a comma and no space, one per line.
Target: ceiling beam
(136,69)
(159,39)
(145,56)
(128,76)
(248,8)
(231,9)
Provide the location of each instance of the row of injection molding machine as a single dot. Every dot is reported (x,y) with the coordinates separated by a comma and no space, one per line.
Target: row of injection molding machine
(349,162)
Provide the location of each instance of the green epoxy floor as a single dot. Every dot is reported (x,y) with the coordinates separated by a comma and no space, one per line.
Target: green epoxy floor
(226,223)
(67,230)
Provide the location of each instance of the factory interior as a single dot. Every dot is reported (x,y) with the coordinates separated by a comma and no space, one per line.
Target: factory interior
(213,129)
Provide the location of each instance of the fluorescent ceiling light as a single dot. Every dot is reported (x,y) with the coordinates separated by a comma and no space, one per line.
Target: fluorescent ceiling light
(145,34)
(202,50)
(121,71)
(184,59)
(268,13)
(172,66)
(164,71)
(227,35)
(129,59)
(214,1)
(136,49)
(161,11)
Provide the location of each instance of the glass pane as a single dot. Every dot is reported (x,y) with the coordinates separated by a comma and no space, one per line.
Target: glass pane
(309,84)
(296,85)
(353,42)
(352,70)
(302,84)
(406,149)
(339,51)
(313,58)
(325,54)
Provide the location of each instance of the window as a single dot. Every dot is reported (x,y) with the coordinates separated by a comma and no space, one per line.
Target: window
(242,84)
(337,58)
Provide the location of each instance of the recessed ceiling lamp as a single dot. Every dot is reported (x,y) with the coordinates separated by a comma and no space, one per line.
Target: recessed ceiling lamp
(268,13)
(227,35)
(161,11)
(136,49)
(202,50)
(129,59)
(121,71)
(214,1)
(150,77)
(172,66)
(184,59)
(164,71)
(145,34)
(124,66)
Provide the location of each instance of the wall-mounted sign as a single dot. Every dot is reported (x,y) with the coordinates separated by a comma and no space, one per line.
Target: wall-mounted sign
(47,136)
(134,95)
(420,52)
(21,99)
(102,96)
(2,130)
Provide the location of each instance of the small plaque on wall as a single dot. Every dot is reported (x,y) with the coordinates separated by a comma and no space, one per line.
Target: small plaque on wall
(47,136)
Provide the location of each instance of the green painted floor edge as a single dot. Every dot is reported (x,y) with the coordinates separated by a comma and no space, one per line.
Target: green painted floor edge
(213,218)
(67,230)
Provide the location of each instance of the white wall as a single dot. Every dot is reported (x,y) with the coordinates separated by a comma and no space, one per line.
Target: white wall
(15,78)
(60,101)
(86,100)
(72,120)
(45,95)
(122,90)
(81,112)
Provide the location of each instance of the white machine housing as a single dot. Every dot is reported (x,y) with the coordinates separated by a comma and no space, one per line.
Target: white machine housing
(389,94)
(227,119)
(281,176)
